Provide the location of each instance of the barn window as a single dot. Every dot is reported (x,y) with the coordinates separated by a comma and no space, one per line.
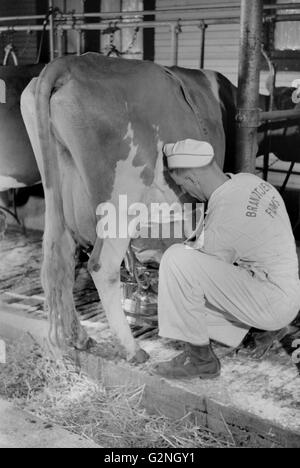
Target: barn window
(282,39)
(2,92)
(287,35)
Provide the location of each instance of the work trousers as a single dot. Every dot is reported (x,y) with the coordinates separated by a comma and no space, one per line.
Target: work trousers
(202,298)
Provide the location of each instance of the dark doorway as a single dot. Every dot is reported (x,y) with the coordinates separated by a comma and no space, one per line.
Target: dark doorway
(42,38)
(149,33)
(92,38)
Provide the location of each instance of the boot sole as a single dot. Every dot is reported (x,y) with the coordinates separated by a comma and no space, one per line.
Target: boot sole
(190,377)
(211,377)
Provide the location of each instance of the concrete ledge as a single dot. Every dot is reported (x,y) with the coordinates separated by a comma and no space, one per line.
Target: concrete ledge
(15,324)
(19,429)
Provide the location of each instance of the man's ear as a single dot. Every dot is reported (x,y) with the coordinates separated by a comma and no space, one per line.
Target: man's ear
(192,175)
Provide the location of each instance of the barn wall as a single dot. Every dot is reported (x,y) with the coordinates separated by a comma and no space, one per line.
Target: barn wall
(222,44)
(25,44)
(68,6)
(123,39)
(221,41)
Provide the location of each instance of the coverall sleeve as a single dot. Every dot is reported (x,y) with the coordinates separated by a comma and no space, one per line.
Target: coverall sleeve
(220,242)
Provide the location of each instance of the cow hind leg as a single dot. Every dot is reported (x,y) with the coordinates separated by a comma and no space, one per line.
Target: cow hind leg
(58,276)
(58,270)
(106,276)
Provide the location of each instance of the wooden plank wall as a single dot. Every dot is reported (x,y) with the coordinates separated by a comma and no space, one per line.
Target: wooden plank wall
(221,41)
(222,44)
(67,7)
(25,44)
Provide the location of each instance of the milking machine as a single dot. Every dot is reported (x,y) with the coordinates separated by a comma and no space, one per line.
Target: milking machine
(139,295)
(140,272)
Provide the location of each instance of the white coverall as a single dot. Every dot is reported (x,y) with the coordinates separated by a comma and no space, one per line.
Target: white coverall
(244,275)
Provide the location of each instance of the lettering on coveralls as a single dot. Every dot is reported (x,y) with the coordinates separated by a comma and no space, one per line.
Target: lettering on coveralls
(255,199)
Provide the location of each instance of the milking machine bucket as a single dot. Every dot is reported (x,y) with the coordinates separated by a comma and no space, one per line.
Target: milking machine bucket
(140,285)
(139,294)
(140,305)
(15,149)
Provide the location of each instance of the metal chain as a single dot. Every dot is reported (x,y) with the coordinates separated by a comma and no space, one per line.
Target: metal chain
(133,42)
(49,13)
(112,49)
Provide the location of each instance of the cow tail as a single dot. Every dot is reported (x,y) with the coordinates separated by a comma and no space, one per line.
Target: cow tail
(58,270)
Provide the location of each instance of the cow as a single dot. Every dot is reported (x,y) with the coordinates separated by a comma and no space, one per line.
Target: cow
(97,126)
(18,166)
(284,136)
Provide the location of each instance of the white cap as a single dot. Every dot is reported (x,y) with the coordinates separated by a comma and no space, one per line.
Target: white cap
(189,154)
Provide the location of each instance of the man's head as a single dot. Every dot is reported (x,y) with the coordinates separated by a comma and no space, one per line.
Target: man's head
(191,164)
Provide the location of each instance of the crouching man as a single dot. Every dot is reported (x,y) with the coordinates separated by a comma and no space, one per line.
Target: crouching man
(245,273)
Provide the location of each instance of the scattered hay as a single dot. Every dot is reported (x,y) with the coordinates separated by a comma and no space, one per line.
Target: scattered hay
(112,418)
(25,373)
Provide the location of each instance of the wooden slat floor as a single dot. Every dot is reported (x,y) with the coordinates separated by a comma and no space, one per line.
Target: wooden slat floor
(20,283)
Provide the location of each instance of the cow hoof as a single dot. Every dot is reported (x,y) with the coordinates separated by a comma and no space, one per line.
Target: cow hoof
(93,266)
(85,345)
(140,357)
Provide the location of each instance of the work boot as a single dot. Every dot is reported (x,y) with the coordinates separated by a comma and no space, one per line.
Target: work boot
(258,343)
(195,361)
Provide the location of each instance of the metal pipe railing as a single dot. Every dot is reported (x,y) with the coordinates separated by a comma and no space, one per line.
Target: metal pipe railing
(23,28)
(282,18)
(144,24)
(282,6)
(187,9)
(117,14)
(60,39)
(151,24)
(147,24)
(277,116)
(248,85)
(203,28)
(129,14)
(175,44)
(5,19)
(173,25)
